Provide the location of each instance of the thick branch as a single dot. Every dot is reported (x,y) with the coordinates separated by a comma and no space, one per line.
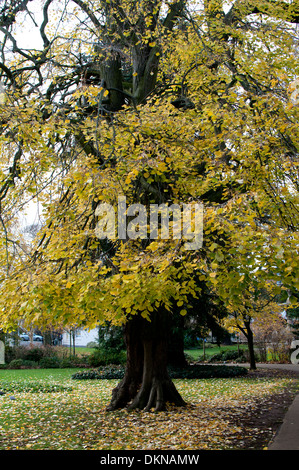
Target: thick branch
(274,8)
(175,11)
(44,23)
(10,10)
(7,72)
(84,6)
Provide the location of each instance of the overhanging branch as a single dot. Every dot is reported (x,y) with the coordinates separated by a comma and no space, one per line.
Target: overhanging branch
(278,9)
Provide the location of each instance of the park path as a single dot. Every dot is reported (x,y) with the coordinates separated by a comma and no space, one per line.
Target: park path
(291,367)
(287,436)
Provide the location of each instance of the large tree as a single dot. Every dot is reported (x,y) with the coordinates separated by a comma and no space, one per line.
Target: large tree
(169,102)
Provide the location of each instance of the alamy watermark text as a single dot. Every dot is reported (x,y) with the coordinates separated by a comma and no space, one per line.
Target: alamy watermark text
(158,221)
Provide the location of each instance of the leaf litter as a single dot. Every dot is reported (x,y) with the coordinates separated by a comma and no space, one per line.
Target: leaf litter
(221,414)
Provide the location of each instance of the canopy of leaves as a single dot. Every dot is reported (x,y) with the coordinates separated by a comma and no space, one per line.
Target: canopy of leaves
(161,102)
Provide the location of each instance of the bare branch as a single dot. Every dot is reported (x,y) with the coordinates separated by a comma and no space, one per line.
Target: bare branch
(84,6)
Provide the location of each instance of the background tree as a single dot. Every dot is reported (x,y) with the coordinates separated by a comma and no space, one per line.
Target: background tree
(161,102)
(272,335)
(256,305)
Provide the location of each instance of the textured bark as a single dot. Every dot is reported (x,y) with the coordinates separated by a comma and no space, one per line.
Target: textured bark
(146,383)
(112,77)
(145,64)
(129,385)
(249,336)
(157,388)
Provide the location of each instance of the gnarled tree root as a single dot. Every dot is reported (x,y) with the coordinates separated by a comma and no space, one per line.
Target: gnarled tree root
(156,395)
(153,395)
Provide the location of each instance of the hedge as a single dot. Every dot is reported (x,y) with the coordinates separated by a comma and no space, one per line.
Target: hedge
(190,372)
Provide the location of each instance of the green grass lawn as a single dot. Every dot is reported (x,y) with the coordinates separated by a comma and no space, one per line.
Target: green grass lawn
(213,349)
(45,409)
(195,354)
(210,350)
(27,375)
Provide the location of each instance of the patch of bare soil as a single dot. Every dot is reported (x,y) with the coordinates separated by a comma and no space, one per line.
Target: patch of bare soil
(261,425)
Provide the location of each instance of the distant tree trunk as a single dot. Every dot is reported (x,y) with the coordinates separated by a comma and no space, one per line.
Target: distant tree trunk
(249,335)
(146,383)
(70,333)
(48,337)
(74,341)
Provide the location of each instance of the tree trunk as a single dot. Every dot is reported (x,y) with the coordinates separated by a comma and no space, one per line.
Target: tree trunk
(145,66)
(146,383)
(129,385)
(249,336)
(112,77)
